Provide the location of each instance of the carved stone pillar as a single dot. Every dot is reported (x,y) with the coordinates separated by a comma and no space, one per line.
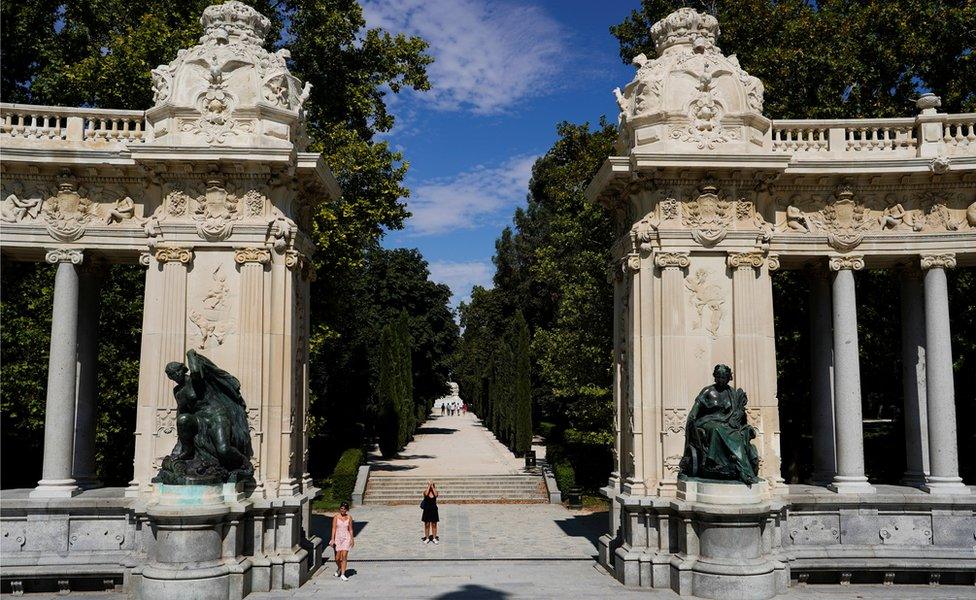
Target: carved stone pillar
(940,396)
(754,356)
(252,263)
(89,304)
(636,483)
(619,353)
(913,377)
(849,428)
(673,387)
(59,411)
(821,378)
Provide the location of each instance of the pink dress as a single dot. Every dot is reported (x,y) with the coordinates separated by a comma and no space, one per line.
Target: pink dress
(343,539)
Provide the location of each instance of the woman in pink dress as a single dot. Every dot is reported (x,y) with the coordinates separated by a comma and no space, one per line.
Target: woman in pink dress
(342,540)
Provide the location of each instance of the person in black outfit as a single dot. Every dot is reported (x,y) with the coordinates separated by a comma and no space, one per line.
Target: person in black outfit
(430,516)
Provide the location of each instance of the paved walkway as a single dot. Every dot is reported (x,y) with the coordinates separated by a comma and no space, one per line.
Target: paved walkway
(449,446)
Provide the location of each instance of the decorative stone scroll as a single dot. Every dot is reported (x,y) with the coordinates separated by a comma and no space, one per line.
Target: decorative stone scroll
(672,260)
(59,255)
(170,254)
(745,260)
(938,261)
(853,262)
(299,263)
(252,255)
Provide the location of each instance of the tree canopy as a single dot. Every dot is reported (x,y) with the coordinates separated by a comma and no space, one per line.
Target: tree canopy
(99,53)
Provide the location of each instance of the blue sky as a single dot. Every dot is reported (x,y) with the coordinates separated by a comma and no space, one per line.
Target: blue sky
(505,73)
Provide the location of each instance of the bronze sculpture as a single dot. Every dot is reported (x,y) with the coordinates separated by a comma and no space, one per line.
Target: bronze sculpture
(717,436)
(214,443)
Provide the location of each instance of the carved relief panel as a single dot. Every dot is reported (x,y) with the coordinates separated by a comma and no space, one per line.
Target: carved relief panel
(212,306)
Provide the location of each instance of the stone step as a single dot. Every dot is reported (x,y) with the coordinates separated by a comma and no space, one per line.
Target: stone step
(519,488)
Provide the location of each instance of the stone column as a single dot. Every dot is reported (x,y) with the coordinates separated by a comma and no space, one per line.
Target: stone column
(940,397)
(636,483)
(821,379)
(89,304)
(913,377)
(252,263)
(674,394)
(59,412)
(849,426)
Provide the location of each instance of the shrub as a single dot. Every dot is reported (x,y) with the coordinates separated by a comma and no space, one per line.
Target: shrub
(565,476)
(344,476)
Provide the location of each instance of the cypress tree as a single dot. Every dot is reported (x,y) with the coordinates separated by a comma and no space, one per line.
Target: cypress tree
(404,376)
(388,417)
(523,386)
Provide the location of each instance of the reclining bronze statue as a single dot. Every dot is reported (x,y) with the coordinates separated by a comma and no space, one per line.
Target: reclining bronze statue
(213,441)
(717,435)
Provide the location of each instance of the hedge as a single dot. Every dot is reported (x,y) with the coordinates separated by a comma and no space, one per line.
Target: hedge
(344,477)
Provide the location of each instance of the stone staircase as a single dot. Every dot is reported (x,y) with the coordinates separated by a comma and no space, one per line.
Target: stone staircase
(522,488)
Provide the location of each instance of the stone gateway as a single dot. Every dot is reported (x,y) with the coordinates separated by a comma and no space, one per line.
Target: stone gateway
(711,198)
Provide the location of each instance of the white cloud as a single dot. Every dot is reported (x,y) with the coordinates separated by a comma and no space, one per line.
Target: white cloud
(488,55)
(483,195)
(462,276)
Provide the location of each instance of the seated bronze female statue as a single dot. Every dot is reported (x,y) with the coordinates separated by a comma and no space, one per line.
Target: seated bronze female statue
(717,435)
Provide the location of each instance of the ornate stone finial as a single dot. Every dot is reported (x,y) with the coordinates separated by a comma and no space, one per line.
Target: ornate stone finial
(685,26)
(938,261)
(852,262)
(928,102)
(675,260)
(233,21)
(60,255)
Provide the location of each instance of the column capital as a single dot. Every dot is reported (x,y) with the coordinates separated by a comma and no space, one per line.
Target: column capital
(145,258)
(300,263)
(938,261)
(252,255)
(631,263)
(847,262)
(672,260)
(62,255)
(746,260)
(172,254)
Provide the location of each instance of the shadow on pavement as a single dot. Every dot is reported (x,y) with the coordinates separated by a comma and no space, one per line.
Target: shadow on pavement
(590,525)
(322,526)
(386,467)
(474,591)
(414,456)
(435,430)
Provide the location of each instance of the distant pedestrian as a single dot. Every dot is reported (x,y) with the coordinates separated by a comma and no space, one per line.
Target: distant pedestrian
(429,515)
(443,408)
(342,540)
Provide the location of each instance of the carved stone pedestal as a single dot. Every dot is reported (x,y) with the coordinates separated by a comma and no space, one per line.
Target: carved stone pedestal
(728,551)
(198,540)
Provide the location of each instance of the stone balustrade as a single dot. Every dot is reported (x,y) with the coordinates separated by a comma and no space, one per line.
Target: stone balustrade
(866,137)
(60,123)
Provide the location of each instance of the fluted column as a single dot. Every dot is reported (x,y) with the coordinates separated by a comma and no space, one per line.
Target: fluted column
(89,304)
(913,377)
(849,427)
(940,396)
(821,378)
(59,411)
(636,483)
(673,385)
(252,262)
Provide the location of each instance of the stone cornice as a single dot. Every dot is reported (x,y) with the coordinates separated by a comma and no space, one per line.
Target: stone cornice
(938,261)
(168,254)
(60,255)
(852,262)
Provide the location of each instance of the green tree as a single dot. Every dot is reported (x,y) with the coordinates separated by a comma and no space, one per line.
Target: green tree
(406,409)
(388,393)
(99,53)
(523,386)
